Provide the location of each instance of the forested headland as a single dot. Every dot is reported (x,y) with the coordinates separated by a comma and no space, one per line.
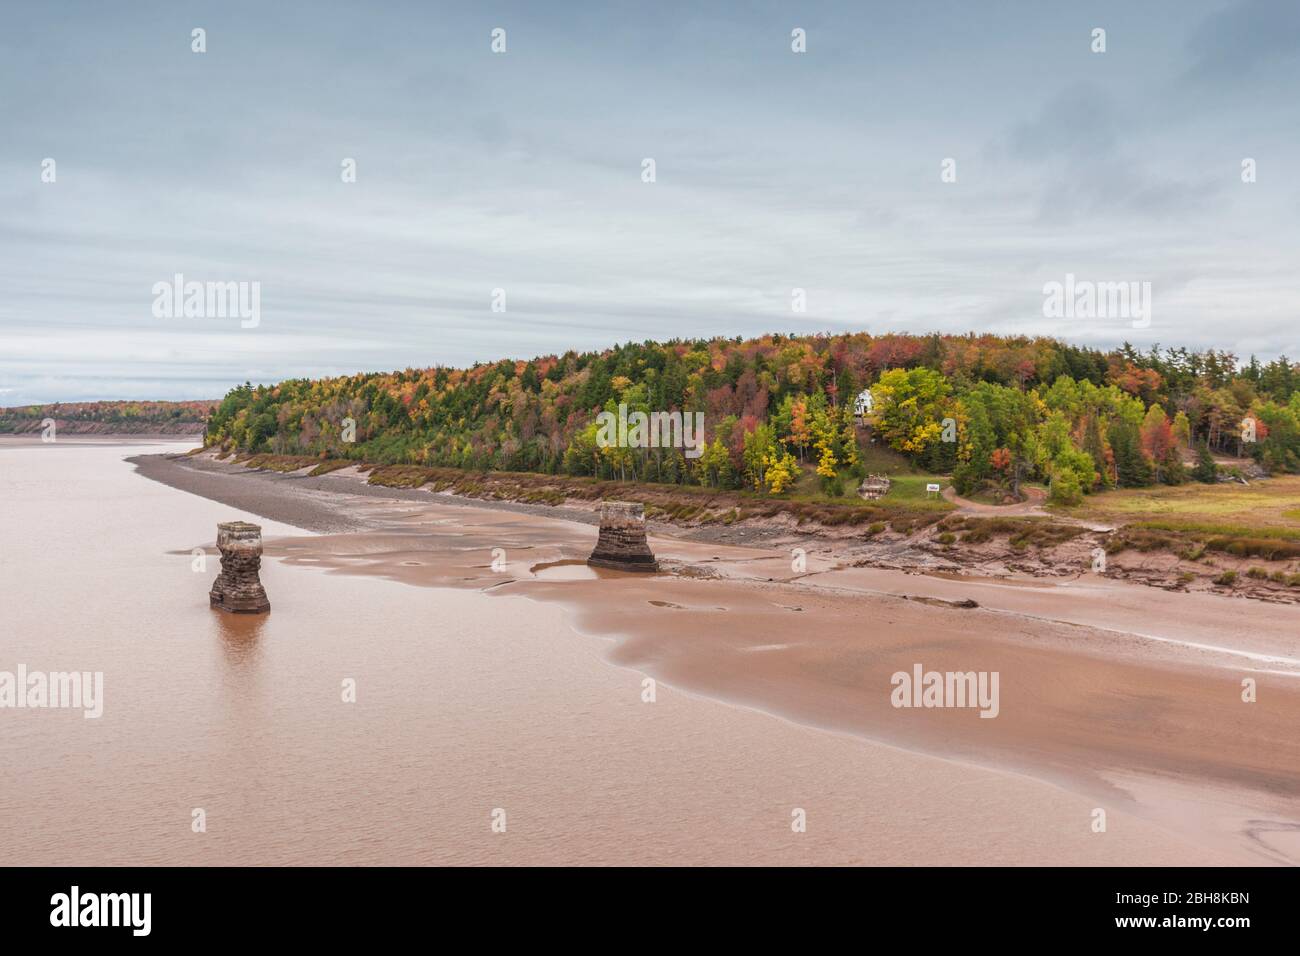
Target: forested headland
(109,418)
(992,411)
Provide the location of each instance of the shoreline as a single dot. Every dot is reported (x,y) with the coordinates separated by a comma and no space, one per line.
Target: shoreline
(970,540)
(1079,673)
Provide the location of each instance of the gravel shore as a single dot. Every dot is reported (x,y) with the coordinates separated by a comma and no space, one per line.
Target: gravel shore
(319,504)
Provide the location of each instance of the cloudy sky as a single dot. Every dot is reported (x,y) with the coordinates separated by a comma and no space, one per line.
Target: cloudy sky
(522,171)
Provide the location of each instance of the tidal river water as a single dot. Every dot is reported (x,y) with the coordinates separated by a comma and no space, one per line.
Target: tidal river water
(483,731)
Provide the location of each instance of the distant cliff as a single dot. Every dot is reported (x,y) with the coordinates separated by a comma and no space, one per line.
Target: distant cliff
(109,418)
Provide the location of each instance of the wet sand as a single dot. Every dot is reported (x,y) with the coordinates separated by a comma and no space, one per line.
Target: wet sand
(1123,696)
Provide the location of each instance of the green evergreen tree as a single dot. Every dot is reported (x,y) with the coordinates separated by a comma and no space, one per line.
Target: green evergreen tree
(1206,470)
(1132,467)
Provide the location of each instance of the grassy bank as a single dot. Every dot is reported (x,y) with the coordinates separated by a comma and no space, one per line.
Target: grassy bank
(1266,508)
(1260,520)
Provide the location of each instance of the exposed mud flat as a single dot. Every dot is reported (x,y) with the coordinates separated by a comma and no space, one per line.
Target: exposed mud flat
(1102,681)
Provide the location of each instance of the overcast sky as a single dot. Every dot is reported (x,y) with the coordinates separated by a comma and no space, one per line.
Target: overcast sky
(523,171)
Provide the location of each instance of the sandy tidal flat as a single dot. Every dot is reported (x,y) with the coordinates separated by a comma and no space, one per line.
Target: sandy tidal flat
(525,691)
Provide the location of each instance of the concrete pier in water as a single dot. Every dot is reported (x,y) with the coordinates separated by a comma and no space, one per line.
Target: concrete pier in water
(622,542)
(238,588)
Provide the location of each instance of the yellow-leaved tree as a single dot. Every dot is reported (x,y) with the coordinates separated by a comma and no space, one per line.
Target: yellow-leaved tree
(781,470)
(824,436)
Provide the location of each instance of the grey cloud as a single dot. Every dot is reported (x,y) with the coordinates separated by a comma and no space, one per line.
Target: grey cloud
(776,170)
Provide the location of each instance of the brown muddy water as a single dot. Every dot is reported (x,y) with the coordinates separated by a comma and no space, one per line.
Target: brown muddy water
(469,708)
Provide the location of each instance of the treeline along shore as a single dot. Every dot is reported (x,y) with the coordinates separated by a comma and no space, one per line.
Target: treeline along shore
(991,411)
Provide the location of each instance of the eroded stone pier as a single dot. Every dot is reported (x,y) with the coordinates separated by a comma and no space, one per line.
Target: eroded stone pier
(238,588)
(622,544)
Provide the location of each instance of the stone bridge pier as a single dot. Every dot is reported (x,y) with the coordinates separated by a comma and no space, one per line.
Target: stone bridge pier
(622,542)
(238,588)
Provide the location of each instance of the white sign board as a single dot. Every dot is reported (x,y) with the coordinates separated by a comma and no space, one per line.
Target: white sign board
(931,487)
